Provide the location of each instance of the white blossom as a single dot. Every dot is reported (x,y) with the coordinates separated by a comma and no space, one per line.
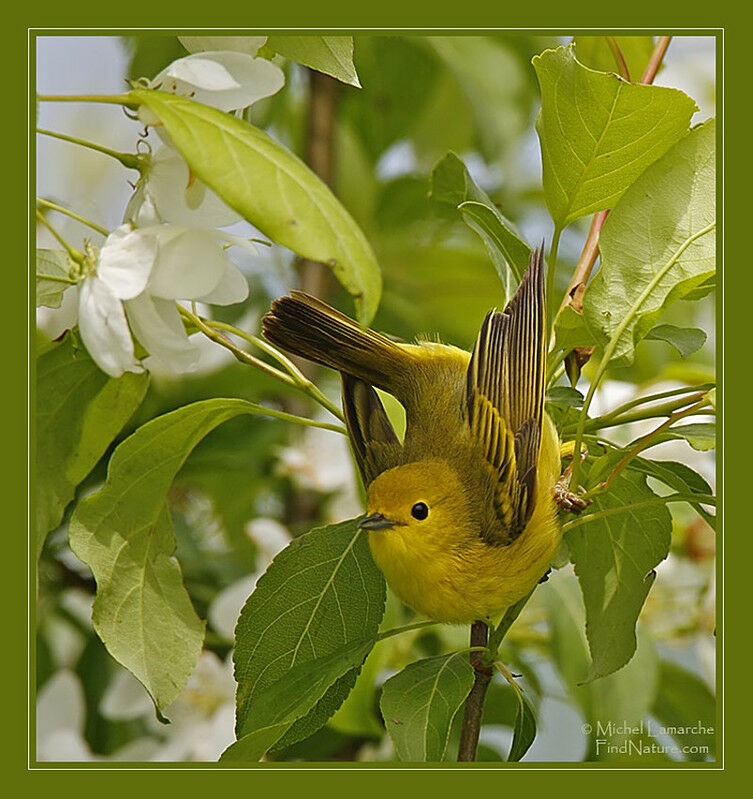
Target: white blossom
(139,276)
(222,79)
(169,192)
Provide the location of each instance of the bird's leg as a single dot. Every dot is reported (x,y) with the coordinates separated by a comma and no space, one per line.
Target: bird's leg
(564,498)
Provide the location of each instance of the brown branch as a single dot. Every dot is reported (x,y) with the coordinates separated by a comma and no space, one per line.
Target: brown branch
(316,278)
(474,704)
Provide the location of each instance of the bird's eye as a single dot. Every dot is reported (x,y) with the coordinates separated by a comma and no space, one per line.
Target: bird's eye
(420,511)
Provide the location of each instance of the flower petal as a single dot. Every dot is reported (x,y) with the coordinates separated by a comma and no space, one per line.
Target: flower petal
(126,260)
(224,80)
(157,325)
(189,265)
(104,330)
(201,73)
(232,288)
(181,198)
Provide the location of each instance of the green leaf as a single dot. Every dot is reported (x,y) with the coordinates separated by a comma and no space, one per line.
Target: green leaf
(565,395)
(656,246)
(571,330)
(271,188)
(451,183)
(291,697)
(123,532)
(420,702)
(52,277)
(686,340)
(322,592)
(594,52)
(524,728)
(686,709)
(623,698)
(599,133)
(80,410)
(700,436)
(614,557)
(505,248)
(332,55)
(675,475)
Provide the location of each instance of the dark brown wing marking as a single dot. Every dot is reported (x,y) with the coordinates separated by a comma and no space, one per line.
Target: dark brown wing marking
(375,444)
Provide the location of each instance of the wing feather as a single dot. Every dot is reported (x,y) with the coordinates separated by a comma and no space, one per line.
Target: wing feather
(505,399)
(375,445)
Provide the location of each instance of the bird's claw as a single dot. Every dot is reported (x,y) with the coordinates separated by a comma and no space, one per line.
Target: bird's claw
(568,500)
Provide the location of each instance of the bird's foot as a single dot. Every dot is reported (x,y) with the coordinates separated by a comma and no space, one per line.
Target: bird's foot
(568,500)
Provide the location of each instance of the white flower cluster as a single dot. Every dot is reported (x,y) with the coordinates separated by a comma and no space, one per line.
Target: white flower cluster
(169,248)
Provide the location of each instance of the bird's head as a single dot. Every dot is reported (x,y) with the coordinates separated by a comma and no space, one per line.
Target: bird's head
(418,503)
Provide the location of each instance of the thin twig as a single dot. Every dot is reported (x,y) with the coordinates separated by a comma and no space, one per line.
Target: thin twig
(75,254)
(73,215)
(644,442)
(656,58)
(619,57)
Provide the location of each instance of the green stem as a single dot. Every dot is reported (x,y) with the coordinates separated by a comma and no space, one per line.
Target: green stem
(408,627)
(241,355)
(512,613)
(615,339)
(613,419)
(300,379)
(703,499)
(290,417)
(58,279)
(551,272)
(702,388)
(553,372)
(73,215)
(75,254)
(112,99)
(128,160)
(644,442)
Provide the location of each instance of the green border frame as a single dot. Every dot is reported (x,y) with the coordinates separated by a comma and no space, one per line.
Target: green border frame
(413,22)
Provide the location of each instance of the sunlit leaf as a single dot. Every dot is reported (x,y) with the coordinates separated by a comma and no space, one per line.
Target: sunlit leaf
(271,188)
(656,246)
(123,532)
(80,410)
(332,55)
(319,594)
(420,702)
(596,53)
(598,133)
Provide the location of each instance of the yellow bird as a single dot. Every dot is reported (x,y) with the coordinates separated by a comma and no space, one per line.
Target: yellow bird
(461,515)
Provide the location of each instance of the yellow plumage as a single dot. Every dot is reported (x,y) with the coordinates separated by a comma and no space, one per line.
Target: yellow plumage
(461,516)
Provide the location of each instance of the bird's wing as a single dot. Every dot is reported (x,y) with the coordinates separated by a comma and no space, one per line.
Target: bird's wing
(375,444)
(505,398)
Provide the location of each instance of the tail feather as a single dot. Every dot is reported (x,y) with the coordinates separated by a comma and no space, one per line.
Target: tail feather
(311,329)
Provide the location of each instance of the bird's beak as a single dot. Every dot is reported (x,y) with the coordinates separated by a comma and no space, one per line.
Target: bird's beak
(377,521)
